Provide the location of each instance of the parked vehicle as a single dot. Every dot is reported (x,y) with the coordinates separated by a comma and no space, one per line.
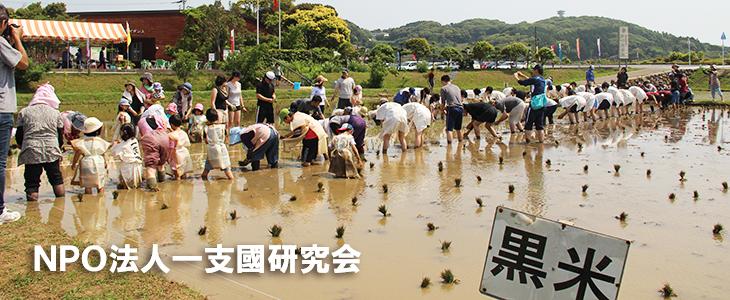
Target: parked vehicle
(409,66)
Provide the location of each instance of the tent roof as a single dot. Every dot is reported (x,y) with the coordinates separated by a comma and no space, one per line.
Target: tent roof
(68,31)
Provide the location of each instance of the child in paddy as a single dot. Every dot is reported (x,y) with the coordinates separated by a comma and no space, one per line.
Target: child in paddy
(197,124)
(89,162)
(130,167)
(123,117)
(215,136)
(180,161)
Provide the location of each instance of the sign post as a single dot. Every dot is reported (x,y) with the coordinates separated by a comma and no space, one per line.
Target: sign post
(723,38)
(623,43)
(535,258)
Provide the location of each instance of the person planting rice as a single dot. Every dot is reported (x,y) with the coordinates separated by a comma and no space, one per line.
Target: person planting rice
(589,111)
(310,107)
(640,96)
(183,98)
(629,101)
(180,161)
(344,161)
(89,163)
(305,128)
(550,107)
(127,151)
(572,105)
(419,116)
(196,124)
(259,141)
(491,94)
(214,137)
(454,109)
(394,120)
(512,107)
(40,136)
(170,110)
(618,99)
(73,125)
(481,113)
(536,112)
(605,101)
(359,126)
(156,148)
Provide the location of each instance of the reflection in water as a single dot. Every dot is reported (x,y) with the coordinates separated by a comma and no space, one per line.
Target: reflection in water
(419,193)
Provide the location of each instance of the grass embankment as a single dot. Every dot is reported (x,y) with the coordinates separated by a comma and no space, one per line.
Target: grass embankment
(699,81)
(80,88)
(18,281)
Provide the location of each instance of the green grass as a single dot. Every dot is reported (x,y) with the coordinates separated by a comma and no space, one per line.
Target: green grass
(18,281)
(699,81)
(82,89)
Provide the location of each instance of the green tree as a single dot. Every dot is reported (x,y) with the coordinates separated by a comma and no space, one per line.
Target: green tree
(207,29)
(544,55)
(383,52)
(320,25)
(348,52)
(185,64)
(515,51)
(482,50)
(418,46)
(36,11)
(451,54)
(251,61)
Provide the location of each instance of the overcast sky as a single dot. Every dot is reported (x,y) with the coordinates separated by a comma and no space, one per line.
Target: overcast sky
(702,19)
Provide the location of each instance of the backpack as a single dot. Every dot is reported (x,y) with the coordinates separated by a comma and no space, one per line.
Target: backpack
(539,101)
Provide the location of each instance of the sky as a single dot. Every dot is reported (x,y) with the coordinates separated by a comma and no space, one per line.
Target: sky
(706,19)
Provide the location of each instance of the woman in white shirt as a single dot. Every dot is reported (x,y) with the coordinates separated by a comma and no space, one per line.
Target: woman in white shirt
(235,101)
(319,90)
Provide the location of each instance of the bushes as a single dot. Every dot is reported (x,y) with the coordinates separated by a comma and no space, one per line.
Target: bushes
(422,67)
(378,70)
(252,62)
(34,73)
(185,64)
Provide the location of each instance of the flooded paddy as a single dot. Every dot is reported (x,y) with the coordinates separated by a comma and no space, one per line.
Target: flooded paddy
(672,239)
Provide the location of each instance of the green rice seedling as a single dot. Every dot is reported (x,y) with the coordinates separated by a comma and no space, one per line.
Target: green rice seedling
(445,245)
(480,202)
(622,217)
(431,227)
(717,229)
(233,214)
(164,206)
(340,232)
(667,291)
(447,277)
(425,282)
(202,230)
(383,210)
(511,189)
(275,231)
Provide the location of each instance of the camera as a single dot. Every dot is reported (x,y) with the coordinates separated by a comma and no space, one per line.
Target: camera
(7,34)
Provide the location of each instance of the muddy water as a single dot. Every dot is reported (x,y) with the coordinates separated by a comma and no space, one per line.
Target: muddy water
(672,240)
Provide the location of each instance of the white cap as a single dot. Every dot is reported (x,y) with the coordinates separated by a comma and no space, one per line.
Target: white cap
(270,75)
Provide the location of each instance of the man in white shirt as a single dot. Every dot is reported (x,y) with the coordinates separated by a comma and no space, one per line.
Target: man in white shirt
(12,57)
(344,87)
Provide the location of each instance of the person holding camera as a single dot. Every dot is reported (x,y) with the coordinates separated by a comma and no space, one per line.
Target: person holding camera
(12,57)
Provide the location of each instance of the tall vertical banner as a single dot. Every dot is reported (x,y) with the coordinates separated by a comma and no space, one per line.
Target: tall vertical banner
(577,47)
(560,52)
(233,40)
(723,38)
(623,42)
(598,42)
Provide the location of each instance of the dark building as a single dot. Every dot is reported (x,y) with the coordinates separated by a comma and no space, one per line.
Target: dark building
(152,31)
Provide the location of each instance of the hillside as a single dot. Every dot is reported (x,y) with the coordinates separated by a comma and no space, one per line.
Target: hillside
(648,43)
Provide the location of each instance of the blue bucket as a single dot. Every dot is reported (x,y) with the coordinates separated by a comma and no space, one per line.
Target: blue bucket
(297,86)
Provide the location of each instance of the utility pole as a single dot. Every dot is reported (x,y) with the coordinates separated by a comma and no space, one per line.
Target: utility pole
(689,50)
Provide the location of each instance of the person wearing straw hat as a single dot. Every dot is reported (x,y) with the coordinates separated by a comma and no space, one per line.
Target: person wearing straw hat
(310,132)
(136,101)
(319,90)
(40,136)
(183,98)
(122,118)
(89,163)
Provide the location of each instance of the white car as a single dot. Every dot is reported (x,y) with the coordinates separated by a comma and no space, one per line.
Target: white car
(409,66)
(505,65)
